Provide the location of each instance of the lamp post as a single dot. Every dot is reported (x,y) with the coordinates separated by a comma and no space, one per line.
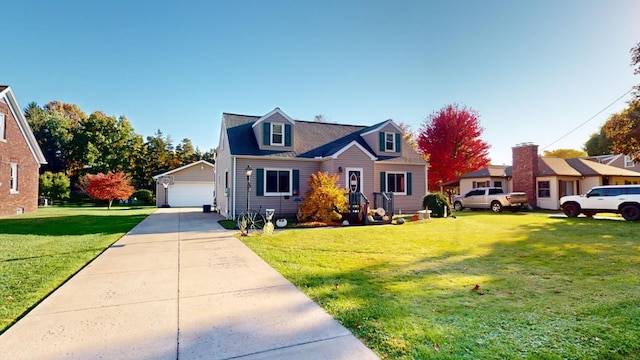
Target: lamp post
(249,172)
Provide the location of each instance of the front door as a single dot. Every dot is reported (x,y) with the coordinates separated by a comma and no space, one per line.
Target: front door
(354,180)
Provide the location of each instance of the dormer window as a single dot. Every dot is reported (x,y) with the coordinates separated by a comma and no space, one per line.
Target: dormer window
(390,142)
(277,134)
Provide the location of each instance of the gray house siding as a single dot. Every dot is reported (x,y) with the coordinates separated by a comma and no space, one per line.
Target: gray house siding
(404,203)
(263,137)
(328,166)
(356,158)
(224,176)
(331,148)
(196,173)
(620,162)
(259,199)
(375,140)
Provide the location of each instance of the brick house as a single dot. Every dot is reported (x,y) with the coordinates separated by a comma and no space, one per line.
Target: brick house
(20,158)
(547,179)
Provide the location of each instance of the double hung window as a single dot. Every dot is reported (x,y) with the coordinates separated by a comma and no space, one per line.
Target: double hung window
(3,126)
(544,189)
(278,182)
(390,142)
(13,180)
(396,182)
(277,134)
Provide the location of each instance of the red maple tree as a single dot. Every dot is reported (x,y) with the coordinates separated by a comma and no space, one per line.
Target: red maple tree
(450,140)
(109,186)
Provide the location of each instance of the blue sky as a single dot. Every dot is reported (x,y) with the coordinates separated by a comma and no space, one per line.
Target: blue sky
(534,70)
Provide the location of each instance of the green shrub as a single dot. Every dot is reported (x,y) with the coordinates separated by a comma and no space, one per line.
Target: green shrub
(143,195)
(437,203)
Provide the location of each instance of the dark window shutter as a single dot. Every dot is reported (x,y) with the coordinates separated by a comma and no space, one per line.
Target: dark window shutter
(398,142)
(259,182)
(296,182)
(383,181)
(382,141)
(408,183)
(287,135)
(266,133)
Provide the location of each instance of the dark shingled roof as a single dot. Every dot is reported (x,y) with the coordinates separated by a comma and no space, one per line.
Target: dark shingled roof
(312,139)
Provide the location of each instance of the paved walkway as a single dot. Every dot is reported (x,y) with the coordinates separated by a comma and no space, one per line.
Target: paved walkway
(178,286)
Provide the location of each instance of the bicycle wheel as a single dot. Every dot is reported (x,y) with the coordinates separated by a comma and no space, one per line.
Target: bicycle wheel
(252,221)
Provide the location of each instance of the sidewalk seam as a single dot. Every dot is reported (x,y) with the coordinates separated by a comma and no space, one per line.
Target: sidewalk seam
(289,346)
(241,290)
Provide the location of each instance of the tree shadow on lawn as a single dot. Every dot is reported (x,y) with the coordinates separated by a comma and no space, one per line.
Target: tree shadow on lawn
(566,290)
(70,225)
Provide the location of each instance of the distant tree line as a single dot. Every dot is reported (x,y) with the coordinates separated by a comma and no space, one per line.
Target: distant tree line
(77,144)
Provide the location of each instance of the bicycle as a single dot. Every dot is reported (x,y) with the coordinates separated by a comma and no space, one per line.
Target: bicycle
(250,221)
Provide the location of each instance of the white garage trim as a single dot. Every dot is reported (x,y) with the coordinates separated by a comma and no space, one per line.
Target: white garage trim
(188,194)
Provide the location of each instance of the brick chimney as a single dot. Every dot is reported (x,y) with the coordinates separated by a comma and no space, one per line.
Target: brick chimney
(524,170)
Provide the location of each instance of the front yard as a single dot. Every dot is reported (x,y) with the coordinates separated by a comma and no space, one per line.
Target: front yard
(546,287)
(38,252)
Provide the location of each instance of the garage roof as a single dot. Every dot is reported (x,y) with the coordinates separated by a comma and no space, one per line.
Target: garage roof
(182,168)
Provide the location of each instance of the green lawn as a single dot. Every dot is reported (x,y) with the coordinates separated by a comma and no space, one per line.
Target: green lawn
(40,251)
(550,288)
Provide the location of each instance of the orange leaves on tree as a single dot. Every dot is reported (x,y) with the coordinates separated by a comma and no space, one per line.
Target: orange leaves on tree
(109,186)
(325,199)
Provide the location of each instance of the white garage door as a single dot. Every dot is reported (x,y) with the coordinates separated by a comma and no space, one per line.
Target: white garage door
(190,194)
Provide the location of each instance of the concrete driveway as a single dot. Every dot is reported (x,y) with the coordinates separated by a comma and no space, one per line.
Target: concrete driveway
(179,286)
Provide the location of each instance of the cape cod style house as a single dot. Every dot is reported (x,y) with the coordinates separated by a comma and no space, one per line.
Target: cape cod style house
(547,179)
(20,158)
(282,153)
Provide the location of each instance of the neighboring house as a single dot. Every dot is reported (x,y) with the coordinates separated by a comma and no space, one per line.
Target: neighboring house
(491,176)
(20,158)
(283,153)
(547,179)
(619,160)
(187,186)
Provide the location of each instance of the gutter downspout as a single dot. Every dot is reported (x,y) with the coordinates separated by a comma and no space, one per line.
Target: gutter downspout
(234,180)
(426,179)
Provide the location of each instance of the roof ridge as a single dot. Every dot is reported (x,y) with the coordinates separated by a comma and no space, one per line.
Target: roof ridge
(226,113)
(328,123)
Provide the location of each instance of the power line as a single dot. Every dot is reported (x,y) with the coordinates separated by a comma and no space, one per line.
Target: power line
(589,119)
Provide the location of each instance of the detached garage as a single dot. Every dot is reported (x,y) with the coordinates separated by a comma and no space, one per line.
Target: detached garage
(188,186)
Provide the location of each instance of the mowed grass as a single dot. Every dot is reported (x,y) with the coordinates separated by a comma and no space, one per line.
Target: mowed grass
(549,288)
(39,252)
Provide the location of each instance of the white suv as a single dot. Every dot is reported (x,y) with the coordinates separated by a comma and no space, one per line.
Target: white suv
(621,199)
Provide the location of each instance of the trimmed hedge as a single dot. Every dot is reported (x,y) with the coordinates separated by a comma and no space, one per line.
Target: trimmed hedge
(145,196)
(437,203)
